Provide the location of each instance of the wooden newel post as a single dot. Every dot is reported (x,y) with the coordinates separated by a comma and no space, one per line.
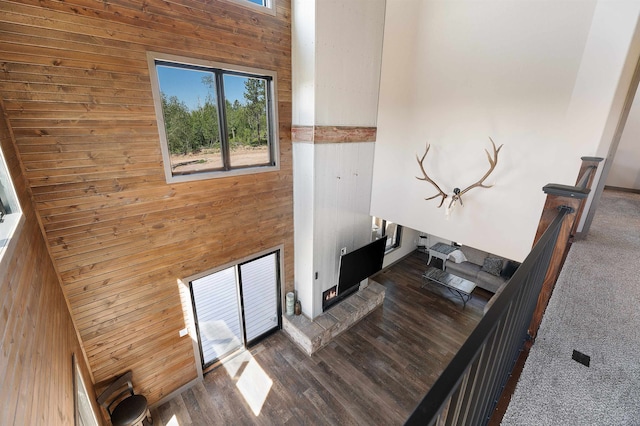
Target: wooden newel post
(558,197)
(585,180)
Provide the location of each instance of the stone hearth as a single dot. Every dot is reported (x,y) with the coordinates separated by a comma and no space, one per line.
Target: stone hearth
(313,335)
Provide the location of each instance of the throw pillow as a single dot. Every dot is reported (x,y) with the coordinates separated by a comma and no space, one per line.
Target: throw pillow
(457,256)
(492,265)
(509,269)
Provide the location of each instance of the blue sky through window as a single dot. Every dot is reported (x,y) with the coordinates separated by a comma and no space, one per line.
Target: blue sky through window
(187,85)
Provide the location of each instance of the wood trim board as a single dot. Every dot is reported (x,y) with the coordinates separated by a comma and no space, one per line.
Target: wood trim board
(333,134)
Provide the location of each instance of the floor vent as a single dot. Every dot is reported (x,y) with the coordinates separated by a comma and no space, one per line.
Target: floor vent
(581,358)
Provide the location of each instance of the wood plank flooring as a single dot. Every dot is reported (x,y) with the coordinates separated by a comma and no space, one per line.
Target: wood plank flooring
(375,373)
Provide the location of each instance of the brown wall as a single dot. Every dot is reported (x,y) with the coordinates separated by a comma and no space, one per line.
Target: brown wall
(38,337)
(76,88)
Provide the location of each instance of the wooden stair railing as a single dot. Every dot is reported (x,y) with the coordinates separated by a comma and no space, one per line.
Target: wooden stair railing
(574,197)
(586,176)
(469,388)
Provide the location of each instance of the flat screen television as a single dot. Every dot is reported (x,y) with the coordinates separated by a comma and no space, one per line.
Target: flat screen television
(360,264)
(355,267)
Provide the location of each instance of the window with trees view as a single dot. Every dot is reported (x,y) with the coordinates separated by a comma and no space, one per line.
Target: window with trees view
(214,120)
(264,3)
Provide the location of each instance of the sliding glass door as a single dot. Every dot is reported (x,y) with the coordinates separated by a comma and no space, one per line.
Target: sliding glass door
(217,312)
(236,306)
(259,296)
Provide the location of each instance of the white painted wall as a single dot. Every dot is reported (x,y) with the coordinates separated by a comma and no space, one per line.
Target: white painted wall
(532,75)
(602,84)
(303,61)
(336,54)
(343,194)
(348,54)
(303,207)
(625,170)
(332,194)
(336,68)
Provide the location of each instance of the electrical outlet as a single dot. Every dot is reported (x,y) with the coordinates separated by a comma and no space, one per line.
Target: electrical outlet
(343,251)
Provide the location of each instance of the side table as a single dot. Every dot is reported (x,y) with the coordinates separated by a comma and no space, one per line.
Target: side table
(441,251)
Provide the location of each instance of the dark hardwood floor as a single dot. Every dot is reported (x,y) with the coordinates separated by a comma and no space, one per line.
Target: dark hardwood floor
(374,373)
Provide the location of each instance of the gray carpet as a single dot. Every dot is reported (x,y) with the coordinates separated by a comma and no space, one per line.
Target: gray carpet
(594,309)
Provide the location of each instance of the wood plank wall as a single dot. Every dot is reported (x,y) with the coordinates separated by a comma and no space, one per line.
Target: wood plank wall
(37,334)
(75,83)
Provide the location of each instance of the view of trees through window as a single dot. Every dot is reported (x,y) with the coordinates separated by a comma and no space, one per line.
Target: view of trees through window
(193,120)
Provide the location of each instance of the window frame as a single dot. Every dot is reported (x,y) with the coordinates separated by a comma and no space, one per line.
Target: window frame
(84,414)
(188,305)
(156,58)
(269,7)
(12,222)
(396,242)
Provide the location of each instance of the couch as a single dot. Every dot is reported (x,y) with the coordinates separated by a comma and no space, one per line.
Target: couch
(486,270)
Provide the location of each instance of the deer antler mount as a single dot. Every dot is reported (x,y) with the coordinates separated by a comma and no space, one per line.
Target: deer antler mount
(457,192)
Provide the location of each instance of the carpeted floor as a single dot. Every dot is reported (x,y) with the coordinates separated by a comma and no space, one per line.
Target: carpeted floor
(595,309)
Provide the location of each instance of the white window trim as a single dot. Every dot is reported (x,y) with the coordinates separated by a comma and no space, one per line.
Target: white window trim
(84,414)
(12,223)
(9,230)
(152,57)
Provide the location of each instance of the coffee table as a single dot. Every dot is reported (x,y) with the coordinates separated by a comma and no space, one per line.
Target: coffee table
(456,285)
(441,251)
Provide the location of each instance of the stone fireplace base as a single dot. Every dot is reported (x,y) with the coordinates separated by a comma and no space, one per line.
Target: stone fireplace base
(313,335)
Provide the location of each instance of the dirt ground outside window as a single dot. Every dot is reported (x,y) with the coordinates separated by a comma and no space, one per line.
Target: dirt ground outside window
(211,159)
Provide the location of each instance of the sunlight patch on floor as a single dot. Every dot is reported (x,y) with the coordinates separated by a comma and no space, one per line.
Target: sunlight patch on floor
(235,363)
(254,384)
(250,379)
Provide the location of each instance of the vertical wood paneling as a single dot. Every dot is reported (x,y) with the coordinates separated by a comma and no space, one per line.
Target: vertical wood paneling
(37,334)
(327,223)
(333,211)
(342,189)
(76,88)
